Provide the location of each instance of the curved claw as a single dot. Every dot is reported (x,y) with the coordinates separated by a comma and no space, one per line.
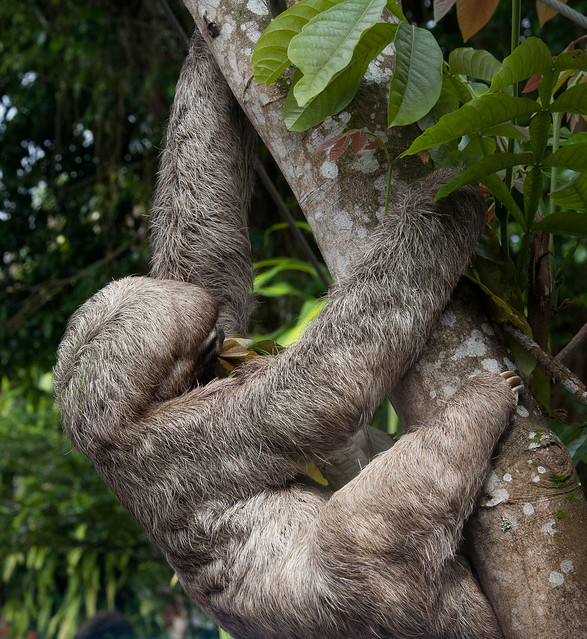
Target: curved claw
(514,381)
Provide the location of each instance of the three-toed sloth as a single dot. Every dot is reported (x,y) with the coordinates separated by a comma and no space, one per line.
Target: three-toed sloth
(212,470)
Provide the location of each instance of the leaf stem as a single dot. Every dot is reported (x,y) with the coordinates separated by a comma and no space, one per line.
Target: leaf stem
(516,19)
(556,129)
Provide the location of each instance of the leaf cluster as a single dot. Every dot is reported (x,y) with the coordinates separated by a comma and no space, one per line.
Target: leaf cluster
(471,114)
(487,114)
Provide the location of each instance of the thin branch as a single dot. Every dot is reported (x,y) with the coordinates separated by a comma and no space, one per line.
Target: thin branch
(179,30)
(287,216)
(572,346)
(567,12)
(41,294)
(554,367)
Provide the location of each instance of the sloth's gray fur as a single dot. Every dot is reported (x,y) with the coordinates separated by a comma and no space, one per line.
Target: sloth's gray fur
(212,472)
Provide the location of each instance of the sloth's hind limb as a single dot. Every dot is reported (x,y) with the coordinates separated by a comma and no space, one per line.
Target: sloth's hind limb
(408,508)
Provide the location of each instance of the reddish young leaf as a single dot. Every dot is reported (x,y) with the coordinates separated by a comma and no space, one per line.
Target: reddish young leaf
(358,140)
(374,144)
(532,84)
(339,148)
(328,143)
(473,15)
(490,212)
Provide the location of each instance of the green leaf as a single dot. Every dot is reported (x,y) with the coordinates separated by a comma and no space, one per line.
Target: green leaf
(461,88)
(506,130)
(473,63)
(569,222)
(494,270)
(446,103)
(547,86)
(277,266)
(531,57)
(475,116)
(573,156)
(325,45)
(578,447)
(395,10)
(573,195)
(571,60)
(573,100)
(483,167)
(10,563)
(417,78)
(502,194)
(270,57)
(532,194)
(339,93)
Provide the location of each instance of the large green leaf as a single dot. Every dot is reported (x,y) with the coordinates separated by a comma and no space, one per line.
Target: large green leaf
(569,222)
(571,60)
(337,95)
(473,117)
(532,57)
(325,45)
(417,78)
(474,63)
(573,100)
(573,195)
(447,102)
(270,57)
(573,156)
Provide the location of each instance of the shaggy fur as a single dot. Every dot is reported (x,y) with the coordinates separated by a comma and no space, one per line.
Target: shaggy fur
(212,472)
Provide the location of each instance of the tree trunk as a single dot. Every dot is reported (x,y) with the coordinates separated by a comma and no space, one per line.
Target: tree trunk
(527,540)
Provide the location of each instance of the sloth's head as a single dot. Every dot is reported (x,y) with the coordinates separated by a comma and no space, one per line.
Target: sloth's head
(135,341)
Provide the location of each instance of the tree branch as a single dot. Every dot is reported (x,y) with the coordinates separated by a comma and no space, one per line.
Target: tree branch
(567,12)
(44,292)
(287,216)
(555,368)
(577,340)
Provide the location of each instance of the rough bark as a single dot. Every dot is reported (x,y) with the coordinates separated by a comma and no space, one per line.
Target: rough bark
(527,540)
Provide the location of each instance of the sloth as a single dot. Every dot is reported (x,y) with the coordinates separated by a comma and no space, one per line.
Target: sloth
(212,467)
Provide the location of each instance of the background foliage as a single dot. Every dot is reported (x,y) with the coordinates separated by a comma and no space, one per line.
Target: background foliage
(84,94)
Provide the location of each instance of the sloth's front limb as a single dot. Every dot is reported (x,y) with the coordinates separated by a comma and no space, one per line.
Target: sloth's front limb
(423,489)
